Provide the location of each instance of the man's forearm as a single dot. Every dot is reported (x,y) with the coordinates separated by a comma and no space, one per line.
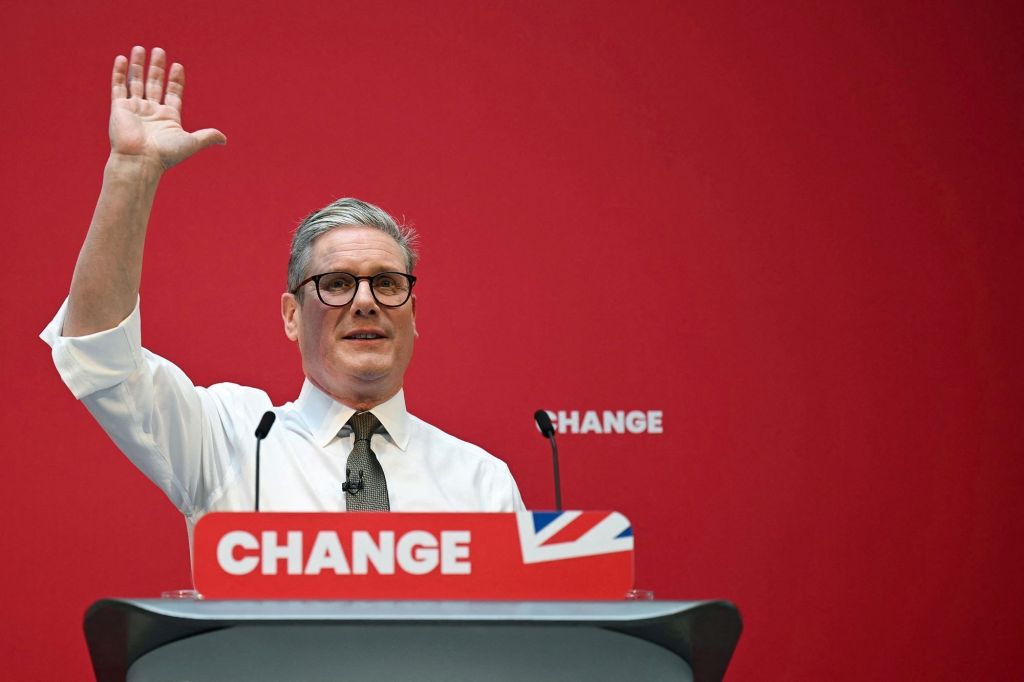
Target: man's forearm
(105,285)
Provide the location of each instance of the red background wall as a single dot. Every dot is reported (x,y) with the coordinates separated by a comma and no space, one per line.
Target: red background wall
(796,231)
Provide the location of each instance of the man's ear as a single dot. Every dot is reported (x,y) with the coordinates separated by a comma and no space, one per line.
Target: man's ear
(415,333)
(291,313)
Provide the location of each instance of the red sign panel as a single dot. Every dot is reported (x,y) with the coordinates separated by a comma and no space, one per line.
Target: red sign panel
(389,555)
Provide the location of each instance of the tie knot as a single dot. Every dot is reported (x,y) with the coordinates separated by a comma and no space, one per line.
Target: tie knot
(364,424)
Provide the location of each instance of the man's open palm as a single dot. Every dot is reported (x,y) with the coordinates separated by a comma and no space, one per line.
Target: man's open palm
(145,118)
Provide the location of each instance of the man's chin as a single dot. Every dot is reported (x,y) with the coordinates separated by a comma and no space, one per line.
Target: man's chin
(363,374)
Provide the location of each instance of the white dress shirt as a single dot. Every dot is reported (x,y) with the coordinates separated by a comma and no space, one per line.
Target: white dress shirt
(197,443)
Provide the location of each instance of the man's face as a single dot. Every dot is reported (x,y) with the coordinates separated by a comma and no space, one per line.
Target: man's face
(360,372)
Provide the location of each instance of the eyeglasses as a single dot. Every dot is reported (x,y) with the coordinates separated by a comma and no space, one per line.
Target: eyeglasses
(337,289)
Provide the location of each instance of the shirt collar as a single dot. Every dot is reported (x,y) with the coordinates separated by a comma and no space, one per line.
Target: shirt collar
(325,416)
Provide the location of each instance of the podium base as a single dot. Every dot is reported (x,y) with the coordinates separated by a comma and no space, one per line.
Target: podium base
(420,653)
(145,640)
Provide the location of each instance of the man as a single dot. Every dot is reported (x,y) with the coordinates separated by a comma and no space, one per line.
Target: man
(347,442)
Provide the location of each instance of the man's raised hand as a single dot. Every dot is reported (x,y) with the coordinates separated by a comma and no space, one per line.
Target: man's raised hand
(145,119)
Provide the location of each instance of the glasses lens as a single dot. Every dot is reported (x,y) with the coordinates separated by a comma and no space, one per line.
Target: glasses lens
(337,288)
(391,288)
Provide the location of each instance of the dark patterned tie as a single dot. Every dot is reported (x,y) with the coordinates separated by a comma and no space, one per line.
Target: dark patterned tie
(365,488)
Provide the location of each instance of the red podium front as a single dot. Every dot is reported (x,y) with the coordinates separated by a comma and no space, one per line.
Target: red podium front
(429,597)
(570,555)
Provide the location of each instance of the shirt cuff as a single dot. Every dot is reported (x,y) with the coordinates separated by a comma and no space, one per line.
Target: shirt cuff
(97,361)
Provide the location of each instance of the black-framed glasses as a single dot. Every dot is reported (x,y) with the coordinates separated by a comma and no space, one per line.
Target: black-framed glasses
(337,289)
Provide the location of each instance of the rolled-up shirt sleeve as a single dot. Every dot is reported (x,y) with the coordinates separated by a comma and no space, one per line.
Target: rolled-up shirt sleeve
(96,361)
(179,435)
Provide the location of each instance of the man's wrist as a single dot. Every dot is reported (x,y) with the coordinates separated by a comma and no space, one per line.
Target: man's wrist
(133,167)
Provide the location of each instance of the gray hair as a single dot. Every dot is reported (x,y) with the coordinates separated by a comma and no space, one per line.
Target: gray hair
(340,213)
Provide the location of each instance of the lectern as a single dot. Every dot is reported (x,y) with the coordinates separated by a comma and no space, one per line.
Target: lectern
(165,640)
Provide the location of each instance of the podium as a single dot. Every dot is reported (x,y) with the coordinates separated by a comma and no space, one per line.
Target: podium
(164,640)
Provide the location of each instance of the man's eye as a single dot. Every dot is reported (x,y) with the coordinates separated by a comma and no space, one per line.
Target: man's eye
(335,283)
(386,282)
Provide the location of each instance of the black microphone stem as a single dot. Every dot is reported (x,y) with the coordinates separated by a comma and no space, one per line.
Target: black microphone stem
(261,432)
(258,441)
(554,463)
(548,431)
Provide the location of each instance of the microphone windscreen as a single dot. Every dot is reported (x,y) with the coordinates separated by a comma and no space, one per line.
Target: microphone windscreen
(544,423)
(265,423)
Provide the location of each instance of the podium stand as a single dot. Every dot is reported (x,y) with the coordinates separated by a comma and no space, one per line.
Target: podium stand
(160,640)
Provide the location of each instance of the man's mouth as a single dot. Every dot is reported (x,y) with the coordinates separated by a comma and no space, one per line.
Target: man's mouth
(364,336)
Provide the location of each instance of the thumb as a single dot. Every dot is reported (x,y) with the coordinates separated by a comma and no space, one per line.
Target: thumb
(207,136)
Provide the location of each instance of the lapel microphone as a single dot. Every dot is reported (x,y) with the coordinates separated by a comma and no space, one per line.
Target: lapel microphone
(350,486)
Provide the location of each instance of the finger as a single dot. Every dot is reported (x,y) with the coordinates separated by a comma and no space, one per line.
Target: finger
(155,77)
(135,84)
(207,136)
(119,78)
(175,86)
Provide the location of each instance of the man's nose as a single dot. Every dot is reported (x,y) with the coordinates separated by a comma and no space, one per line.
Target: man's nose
(364,302)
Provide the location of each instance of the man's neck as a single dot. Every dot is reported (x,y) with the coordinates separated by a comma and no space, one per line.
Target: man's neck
(358,402)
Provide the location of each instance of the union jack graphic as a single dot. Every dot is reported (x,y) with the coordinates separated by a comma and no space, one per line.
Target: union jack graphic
(550,536)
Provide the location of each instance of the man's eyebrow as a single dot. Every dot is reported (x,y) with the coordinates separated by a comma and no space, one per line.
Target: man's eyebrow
(371,270)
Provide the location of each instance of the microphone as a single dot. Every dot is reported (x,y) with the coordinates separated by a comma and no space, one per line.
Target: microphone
(351,486)
(548,431)
(261,432)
